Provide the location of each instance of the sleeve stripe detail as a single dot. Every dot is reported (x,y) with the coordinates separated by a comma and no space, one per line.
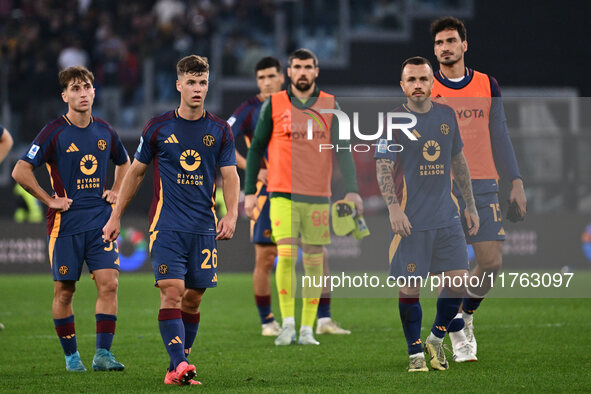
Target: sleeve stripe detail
(162,118)
(49,129)
(51,149)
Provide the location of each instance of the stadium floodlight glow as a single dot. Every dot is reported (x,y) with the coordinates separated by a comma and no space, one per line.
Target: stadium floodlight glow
(345,125)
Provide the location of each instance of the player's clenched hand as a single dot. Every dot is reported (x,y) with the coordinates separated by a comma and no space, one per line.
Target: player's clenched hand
(110,196)
(263,176)
(399,221)
(518,195)
(62,204)
(111,229)
(356,198)
(472,220)
(250,202)
(226,227)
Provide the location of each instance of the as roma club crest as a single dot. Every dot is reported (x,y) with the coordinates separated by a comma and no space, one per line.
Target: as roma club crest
(208,140)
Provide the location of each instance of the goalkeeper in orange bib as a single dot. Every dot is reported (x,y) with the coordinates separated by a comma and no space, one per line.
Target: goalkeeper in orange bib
(269,77)
(298,180)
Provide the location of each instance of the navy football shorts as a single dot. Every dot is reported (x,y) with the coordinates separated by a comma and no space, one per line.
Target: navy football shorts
(429,252)
(491,220)
(260,229)
(187,256)
(68,253)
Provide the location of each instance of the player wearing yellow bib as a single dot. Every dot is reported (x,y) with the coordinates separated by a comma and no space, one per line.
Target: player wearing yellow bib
(298,179)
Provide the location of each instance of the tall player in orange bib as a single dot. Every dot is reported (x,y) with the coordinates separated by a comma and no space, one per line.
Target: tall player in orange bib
(475,97)
(298,179)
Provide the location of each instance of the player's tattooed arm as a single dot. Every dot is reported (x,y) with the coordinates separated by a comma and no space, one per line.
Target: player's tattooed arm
(462,178)
(384,169)
(398,219)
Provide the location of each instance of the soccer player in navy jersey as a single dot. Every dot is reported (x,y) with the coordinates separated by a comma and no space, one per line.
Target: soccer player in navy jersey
(243,122)
(476,98)
(186,145)
(428,236)
(76,148)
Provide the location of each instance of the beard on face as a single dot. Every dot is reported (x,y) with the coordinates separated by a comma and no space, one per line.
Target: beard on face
(302,84)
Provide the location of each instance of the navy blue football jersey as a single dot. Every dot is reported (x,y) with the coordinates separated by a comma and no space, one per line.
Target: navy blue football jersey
(244,119)
(77,160)
(186,154)
(422,170)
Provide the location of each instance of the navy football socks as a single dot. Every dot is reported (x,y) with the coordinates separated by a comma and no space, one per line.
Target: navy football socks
(173,334)
(67,333)
(471,304)
(411,315)
(448,305)
(323,307)
(105,329)
(264,307)
(191,325)
(456,325)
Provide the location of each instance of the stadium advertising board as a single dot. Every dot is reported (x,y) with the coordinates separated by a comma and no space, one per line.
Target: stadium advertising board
(530,246)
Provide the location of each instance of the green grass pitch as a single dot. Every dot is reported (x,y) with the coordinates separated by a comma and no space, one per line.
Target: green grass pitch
(523,345)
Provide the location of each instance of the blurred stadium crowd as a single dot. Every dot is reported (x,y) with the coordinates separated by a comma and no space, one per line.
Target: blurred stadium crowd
(115,38)
(132,47)
(112,38)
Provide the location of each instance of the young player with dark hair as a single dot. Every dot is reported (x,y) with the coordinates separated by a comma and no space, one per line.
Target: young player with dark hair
(269,78)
